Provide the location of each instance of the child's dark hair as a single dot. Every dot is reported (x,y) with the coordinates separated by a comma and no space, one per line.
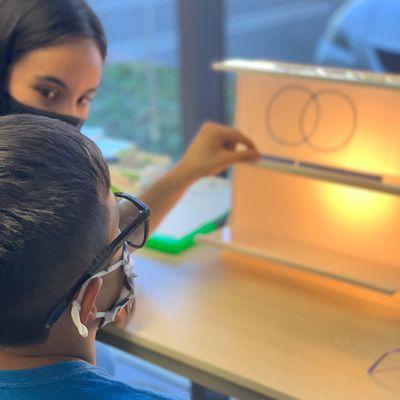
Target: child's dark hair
(27,25)
(53,219)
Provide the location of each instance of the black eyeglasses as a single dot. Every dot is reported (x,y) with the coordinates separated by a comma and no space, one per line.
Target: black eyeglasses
(135,235)
(373,367)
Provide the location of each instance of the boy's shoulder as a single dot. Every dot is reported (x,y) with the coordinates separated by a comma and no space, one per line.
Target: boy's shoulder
(106,387)
(69,381)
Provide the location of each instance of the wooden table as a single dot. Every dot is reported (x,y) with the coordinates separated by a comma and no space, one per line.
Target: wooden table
(256,330)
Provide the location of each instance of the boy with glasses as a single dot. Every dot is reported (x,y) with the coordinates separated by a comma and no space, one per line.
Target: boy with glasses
(65,263)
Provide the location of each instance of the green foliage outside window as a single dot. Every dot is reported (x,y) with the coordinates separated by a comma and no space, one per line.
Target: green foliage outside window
(126,108)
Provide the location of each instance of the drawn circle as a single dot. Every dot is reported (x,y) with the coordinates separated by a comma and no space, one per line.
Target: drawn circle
(343,138)
(283,95)
(316,117)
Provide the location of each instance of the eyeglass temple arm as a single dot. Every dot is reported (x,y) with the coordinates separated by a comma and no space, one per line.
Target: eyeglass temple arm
(372,368)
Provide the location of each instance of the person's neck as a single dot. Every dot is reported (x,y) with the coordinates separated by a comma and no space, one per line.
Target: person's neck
(48,353)
(12,361)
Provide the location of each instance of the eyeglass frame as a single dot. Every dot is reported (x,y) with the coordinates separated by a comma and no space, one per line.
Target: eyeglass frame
(388,353)
(109,251)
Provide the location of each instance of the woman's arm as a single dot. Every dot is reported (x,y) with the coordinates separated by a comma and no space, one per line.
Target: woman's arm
(213,150)
(160,197)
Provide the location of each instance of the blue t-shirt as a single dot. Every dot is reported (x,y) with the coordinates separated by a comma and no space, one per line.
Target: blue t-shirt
(71,380)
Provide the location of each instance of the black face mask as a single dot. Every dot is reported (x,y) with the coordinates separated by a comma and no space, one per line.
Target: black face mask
(8,105)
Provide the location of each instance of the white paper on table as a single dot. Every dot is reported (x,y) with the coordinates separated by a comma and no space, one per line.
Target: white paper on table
(206,201)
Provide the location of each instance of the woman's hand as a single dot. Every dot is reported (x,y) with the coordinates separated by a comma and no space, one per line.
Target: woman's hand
(214,149)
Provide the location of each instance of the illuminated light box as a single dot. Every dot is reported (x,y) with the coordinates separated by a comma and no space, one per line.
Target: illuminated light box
(325,196)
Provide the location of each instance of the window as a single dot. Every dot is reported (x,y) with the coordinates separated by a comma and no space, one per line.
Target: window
(138,110)
(139,99)
(284,30)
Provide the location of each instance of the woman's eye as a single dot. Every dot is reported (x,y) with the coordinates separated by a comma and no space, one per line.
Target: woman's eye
(48,94)
(85,100)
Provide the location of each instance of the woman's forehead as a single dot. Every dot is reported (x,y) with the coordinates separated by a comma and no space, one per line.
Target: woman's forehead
(75,61)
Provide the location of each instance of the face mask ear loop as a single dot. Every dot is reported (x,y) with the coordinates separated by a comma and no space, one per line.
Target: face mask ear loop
(76,304)
(76,318)
(76,309)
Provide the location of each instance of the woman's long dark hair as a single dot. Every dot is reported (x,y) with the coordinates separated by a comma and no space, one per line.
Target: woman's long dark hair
(27,25)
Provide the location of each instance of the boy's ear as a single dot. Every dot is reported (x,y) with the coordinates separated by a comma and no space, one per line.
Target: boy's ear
(88,306)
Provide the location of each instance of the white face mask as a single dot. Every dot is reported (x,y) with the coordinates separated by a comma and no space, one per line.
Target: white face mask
(127,293)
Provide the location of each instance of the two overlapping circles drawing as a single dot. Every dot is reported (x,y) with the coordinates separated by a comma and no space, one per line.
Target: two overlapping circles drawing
(323,120)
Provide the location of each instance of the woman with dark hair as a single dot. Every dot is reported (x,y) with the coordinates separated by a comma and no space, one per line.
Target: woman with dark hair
(29,26)
(51,57)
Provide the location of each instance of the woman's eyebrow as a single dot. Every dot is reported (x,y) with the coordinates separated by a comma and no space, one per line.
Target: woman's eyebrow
(53,79)
(59,82)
